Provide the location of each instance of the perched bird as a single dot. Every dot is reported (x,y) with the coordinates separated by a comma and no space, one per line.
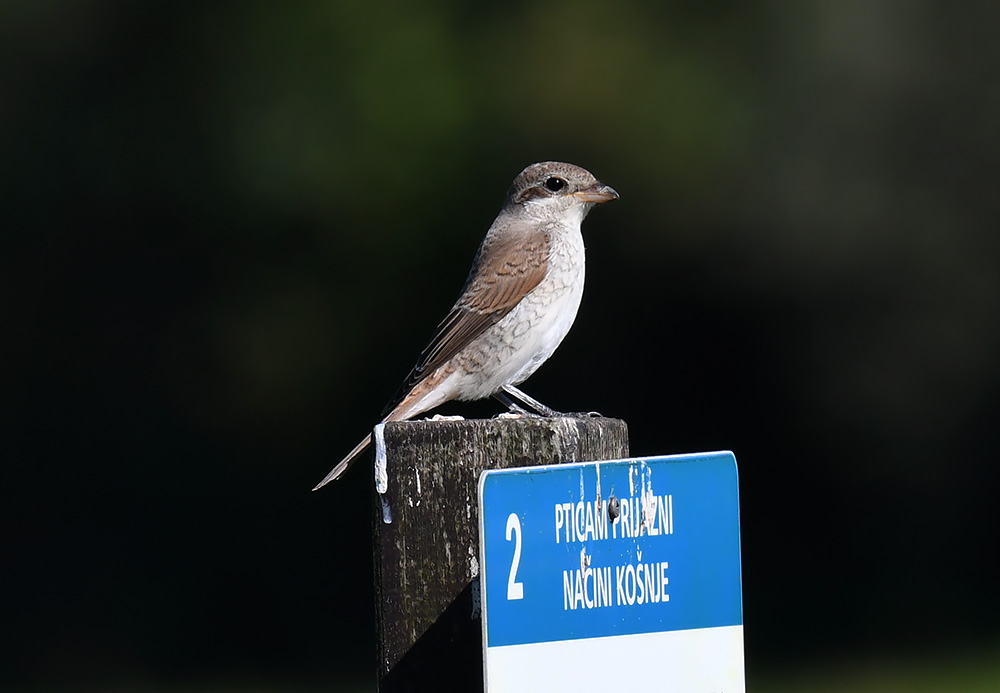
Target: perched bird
(518,303)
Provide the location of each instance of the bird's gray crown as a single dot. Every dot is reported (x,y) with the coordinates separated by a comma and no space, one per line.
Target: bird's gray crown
(549,179)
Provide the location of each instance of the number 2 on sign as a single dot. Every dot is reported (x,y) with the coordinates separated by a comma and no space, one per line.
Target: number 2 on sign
(515,590)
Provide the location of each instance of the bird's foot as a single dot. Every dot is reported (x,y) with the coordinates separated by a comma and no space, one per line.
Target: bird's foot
(549,413)
(442,417)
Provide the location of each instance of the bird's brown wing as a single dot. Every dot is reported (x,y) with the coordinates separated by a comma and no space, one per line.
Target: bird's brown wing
(509,265)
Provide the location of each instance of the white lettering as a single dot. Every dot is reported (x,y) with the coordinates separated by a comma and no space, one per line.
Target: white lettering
(654,530)
(602,585)
(578,524)
(589,529)
(640,583)
(630,583)
(560,517)
(653,583)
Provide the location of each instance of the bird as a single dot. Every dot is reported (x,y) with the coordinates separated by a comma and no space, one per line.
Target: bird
(518,303)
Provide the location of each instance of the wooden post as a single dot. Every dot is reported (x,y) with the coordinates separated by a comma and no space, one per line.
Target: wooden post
(427,534)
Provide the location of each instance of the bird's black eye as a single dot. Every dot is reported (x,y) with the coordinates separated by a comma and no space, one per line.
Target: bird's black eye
(555,184)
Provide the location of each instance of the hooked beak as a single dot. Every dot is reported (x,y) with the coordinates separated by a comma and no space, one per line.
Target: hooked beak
(597,193)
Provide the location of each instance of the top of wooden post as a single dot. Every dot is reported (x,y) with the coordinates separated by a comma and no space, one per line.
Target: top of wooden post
(426,521)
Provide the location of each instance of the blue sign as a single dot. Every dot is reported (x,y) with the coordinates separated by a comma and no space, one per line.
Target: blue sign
(597,550)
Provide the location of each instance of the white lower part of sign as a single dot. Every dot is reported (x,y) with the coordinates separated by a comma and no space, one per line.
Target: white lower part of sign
(704,659)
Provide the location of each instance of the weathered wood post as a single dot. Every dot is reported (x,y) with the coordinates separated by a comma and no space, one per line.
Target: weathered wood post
(426,529)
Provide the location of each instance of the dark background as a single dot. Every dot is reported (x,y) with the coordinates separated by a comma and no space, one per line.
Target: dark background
(230,228)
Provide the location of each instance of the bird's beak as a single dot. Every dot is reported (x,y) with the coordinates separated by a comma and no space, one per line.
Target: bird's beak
(597,193)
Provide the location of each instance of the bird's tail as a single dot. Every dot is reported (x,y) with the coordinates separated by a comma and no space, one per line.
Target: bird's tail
(422,397)
(345,463)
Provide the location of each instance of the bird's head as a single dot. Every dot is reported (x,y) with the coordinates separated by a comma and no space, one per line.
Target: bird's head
(553,188)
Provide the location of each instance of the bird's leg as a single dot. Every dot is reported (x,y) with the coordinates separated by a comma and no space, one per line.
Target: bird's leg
(512,391)
(512,406)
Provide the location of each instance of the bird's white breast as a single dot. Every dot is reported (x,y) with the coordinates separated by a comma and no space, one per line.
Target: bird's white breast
(510,351)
